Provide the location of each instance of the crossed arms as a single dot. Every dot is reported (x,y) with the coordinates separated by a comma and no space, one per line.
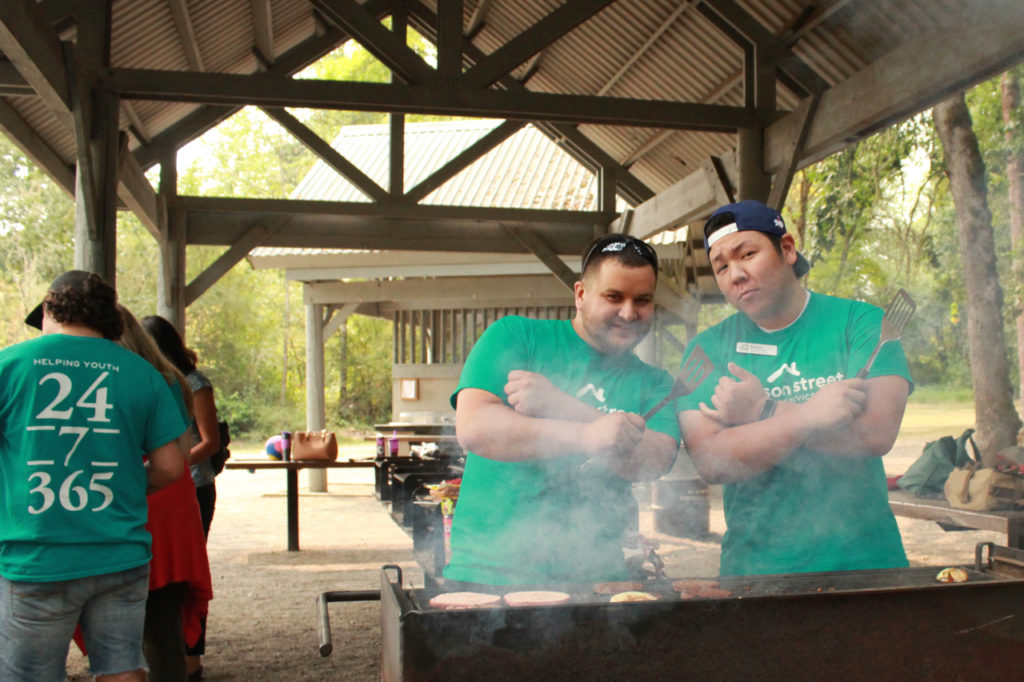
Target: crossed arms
(853,418)
(541,422)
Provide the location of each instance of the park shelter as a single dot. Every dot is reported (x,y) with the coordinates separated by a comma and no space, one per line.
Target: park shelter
(440,302)
(675,106)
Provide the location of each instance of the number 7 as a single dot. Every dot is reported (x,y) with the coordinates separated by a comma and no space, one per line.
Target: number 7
(81,431)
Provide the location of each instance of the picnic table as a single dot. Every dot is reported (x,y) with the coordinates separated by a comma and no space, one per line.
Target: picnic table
(1010,521)
(291,469)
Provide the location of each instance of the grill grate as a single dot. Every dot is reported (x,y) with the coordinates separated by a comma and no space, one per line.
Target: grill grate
(754,586)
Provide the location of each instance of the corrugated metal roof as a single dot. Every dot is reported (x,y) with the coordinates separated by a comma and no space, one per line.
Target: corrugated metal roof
(527,170)
(656,49)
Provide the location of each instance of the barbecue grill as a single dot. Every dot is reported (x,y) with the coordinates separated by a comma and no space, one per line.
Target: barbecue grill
(878,624)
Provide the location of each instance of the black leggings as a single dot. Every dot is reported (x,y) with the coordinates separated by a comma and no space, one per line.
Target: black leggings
(163,639)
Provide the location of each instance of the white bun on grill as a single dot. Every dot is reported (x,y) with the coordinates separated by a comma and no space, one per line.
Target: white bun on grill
(633,595)
(464,600)
(540,598)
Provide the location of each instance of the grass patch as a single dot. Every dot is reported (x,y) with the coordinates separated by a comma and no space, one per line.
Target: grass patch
(933,420)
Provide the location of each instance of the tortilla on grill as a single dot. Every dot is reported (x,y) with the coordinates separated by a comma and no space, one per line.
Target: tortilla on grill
(540,598)
(464,600)
(633,595)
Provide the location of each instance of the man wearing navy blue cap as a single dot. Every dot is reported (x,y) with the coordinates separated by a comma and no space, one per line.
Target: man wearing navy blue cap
(78,414)
(789,430)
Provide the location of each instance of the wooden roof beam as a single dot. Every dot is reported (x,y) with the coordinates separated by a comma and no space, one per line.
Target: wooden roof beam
(363,24)
(186,34)
(565,135)
(263,29)
(328,154)
(463,160)
(219,88)
(35,148)
(981,41)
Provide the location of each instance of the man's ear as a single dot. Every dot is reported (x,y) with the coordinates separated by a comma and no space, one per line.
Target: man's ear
(577,291)
(788,246)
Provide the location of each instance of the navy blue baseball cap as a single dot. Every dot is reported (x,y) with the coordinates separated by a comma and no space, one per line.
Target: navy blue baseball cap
(748,215)
(70,279)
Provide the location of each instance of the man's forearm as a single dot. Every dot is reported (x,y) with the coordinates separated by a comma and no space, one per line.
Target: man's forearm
(651,459)
(496,432)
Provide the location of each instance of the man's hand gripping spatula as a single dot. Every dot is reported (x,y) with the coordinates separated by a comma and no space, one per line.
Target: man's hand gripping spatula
(899,312)
(695,370)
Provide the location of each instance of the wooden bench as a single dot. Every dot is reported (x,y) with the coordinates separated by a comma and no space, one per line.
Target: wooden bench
(1010,522)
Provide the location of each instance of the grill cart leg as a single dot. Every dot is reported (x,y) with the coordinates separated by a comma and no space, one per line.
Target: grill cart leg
(323,624)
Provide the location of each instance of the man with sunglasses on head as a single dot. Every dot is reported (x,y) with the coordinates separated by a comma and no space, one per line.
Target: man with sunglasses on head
(784,422)
(548,412)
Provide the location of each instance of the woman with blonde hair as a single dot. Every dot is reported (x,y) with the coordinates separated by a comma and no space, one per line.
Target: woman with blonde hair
(179,579)
(205,440)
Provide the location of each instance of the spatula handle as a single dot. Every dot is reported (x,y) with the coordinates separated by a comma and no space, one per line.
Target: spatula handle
(657,408)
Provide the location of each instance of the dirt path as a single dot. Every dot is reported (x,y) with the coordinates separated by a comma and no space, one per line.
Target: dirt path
(262,623)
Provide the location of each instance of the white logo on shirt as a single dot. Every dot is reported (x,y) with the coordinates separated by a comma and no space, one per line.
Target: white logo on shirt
(786,367)
(590,388)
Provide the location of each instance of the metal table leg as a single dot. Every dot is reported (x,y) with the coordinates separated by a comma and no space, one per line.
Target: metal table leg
(293,510)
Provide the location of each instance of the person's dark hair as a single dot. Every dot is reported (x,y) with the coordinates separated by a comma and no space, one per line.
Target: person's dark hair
(628,250)
(169,341)
(92,302)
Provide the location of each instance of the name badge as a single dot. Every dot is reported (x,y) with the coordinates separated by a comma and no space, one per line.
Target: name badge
(756,348)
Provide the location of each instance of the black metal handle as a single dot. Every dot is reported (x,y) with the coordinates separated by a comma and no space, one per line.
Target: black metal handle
(324,617)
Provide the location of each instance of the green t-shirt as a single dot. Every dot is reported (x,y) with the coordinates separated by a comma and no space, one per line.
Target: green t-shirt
(542,521)
(813,511)
(76,416)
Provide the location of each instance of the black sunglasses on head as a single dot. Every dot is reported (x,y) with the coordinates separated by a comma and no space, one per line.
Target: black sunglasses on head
(616,243)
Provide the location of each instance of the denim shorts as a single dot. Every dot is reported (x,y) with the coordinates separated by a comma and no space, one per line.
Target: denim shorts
(39,620)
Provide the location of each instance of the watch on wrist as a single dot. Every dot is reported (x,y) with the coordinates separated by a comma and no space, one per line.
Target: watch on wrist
(768,409)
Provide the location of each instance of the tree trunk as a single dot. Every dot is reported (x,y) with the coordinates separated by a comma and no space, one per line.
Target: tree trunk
(996,420)
(1014,169)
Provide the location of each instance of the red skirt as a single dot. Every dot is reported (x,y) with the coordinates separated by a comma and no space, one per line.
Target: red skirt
(179,549)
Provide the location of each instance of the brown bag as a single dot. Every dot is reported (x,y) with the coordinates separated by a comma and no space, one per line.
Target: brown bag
(983,488)
(314,446)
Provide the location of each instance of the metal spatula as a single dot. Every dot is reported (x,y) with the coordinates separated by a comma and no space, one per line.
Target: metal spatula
(899,312)
(695,370)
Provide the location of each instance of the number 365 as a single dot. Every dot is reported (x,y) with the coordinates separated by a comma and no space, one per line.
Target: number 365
(72,495)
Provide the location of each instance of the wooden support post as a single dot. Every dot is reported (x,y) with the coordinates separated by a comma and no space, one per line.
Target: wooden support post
(95,119)
(754,183)
(315,409)
(170,299)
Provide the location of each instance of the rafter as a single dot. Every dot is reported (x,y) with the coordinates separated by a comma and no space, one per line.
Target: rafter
(29,42)
(294,60)
(531,41)
(186,34)
(565,135)
(362,24)
(35,148)
(463,160)
(263,29)
(328,154)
